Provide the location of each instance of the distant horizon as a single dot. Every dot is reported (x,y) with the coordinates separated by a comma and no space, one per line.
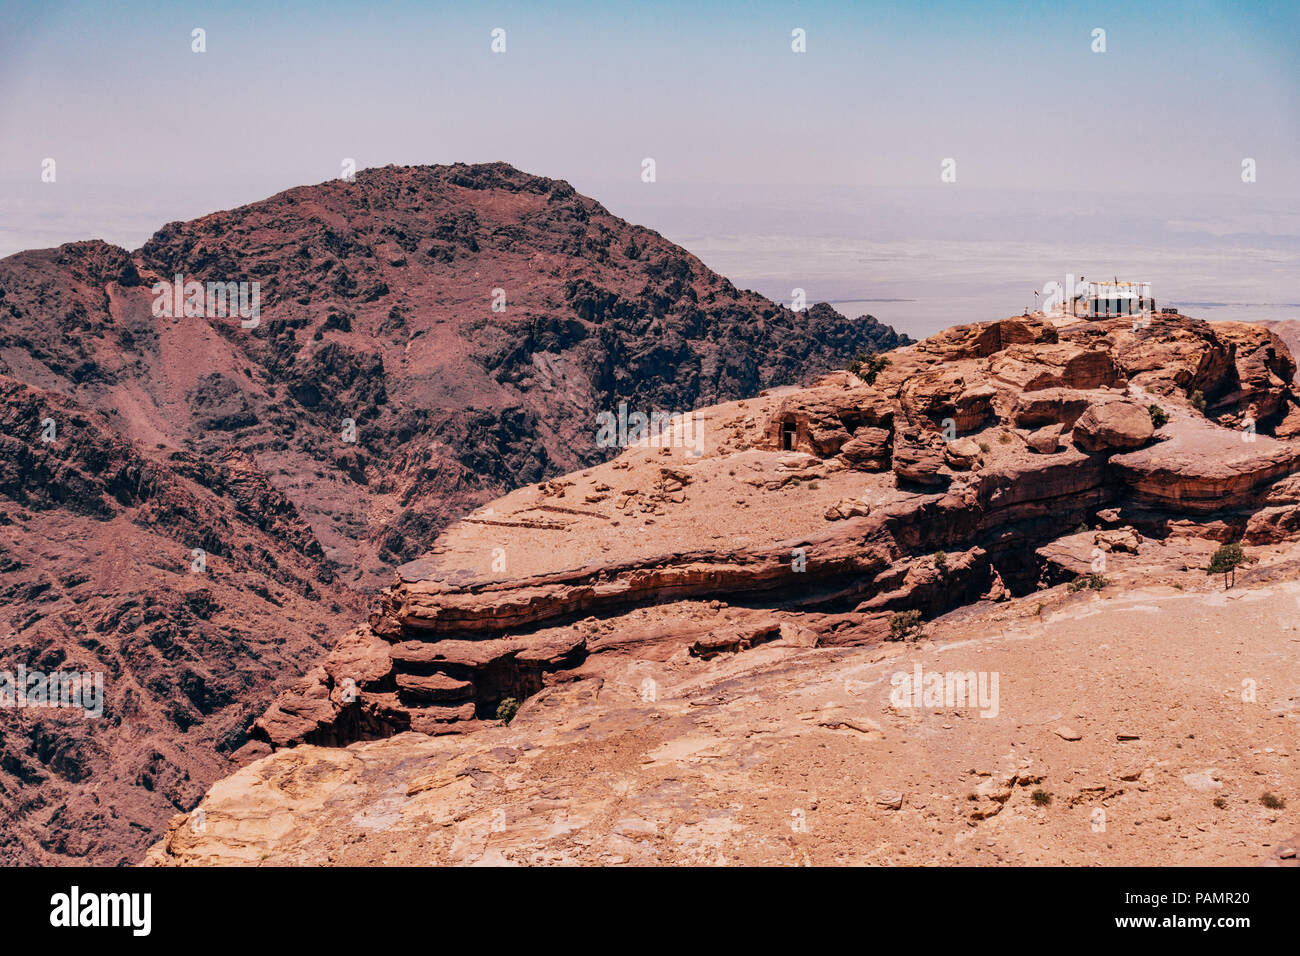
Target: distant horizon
(785,143)
(917,259)
(130,230)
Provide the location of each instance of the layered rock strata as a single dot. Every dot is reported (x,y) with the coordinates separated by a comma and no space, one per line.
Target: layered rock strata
(816,514)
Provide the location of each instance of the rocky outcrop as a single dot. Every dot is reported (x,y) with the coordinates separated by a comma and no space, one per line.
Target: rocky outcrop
(1202,468)
(1113,426)
(942,395)
(980,340)
(868,450)
(1064,365)
(962,454)
(1050,406)
(821,541)
(1045,440)
(1118,539)
(918,458)
(698,758)
(824,420)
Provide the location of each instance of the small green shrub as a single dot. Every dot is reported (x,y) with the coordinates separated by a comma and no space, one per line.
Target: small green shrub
(1158,415)
(507,709)
(1042,798)
(905,625)
(1197,399)
(941,559)
(1272,800)
(1093,582)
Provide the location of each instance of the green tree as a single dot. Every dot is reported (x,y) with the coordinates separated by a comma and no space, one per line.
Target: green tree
(1225,562)
(867,367)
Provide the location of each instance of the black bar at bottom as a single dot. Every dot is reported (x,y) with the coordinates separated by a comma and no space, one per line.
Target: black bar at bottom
(338,907)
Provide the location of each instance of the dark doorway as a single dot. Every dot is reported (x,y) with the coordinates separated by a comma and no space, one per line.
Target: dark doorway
(788,434)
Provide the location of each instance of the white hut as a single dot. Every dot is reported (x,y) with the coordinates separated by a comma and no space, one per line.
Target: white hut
(1099,300)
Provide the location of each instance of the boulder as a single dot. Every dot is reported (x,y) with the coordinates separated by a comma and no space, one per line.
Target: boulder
(1113,426)
(730,640)
(918,456)
(867,450)
(796,462)
(890,799)
(1055,366)
(1045,440)
(962,453)
(946,393)
(847,508)
(434,687)
(1119,539)
(997,589)
(826,434)
(1271,525)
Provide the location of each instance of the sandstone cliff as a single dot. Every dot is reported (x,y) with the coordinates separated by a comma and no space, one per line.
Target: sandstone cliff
(985,443)
(707,647)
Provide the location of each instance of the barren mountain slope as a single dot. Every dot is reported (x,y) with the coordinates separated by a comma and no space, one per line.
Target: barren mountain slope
(175,433)
(377,304)
(98,573)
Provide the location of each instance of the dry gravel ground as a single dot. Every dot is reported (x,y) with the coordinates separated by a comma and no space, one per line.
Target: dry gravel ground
(1129,712)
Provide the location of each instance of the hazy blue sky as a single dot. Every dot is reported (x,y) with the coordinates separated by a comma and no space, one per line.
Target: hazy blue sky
(711,90)
(144,130)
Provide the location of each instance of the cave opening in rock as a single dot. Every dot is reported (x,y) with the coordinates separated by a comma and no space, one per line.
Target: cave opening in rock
(502,679)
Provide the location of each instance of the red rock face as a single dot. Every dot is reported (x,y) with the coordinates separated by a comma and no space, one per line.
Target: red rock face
(375,320)
(98,575)
(791,517)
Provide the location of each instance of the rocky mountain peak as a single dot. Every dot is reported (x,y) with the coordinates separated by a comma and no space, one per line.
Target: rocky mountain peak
(339,371)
